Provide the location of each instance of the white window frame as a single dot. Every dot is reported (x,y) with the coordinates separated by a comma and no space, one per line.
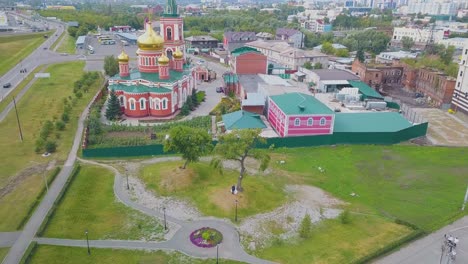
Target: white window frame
(323,121)
(157,104)
(164,103)
(132,103)
(297,121)
(142,102)
(310,121)
(150,100)
(122,101)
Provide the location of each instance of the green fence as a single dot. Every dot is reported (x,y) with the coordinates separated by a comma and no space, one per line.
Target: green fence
(383,138)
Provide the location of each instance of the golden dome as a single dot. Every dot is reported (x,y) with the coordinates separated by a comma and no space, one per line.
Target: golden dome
(123,57)
(178,54)
(150,40)
(163,60)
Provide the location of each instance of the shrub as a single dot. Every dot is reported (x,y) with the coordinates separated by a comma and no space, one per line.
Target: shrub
(46,129)
(78,95)
(345,217)
(305,227)
(200,95)
(39,145)
(65,117)
(60,125)
(50,146)
(185,110)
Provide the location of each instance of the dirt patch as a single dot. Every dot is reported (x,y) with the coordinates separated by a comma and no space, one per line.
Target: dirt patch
(224,199)
(176,179)
(259,230)
(251,165)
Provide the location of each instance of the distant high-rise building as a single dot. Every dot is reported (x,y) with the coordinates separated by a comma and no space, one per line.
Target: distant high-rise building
(432,7)
(460,94)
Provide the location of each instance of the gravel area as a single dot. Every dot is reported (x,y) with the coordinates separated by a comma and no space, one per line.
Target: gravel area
(259,230)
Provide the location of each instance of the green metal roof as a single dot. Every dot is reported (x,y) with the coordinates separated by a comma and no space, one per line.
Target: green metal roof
(138,88)
(242,120)
(370,122)
(230,78)
(300,104)
(242,50)
(152,77)
(365,89)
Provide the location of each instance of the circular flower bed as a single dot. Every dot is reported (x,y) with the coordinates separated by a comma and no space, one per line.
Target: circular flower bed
(206,237)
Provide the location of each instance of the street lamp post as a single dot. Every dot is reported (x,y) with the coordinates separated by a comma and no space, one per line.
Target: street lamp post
(126,173)
(87,242)
(164,212)
(235,219)
(217,253)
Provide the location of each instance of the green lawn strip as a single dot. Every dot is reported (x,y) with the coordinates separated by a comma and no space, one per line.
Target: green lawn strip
(57,41)
(18,159)
(333,242)
(45,254)
(3,253)
(18,88)
(17,47)
(210,191)
(89,203)
(424,186)
(67,45)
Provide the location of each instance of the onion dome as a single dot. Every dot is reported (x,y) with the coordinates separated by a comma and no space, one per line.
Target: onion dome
(150,40)
(178,54)
(163,60)
(123,57)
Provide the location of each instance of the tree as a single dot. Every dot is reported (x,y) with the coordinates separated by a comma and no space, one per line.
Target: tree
(192,143)
(342,53)
(305,227)
(327,48)
(307,65)
(113,110)
(240,145)
(407,43)
(360,55)
(318,65)
(111,65)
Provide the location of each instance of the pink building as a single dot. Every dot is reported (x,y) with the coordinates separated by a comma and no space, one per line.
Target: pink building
(298,114)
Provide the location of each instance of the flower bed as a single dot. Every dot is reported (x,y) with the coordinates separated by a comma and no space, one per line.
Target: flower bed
(206,237)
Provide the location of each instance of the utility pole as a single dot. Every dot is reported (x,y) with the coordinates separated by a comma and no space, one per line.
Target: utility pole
(17,119)
(466,198)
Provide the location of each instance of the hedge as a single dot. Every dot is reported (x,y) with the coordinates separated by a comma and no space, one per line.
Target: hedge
(29,253)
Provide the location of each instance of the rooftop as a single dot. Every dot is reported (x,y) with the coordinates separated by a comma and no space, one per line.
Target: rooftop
(300,104)
(250,82)
(365,89)
(80,40)
(239,36)
(253,99)
(152,77)
(370,122)
(128,36)
(286,32)
(138,88)
(243,50)
(242,120)
(201,38)
(334,45)
(335,74)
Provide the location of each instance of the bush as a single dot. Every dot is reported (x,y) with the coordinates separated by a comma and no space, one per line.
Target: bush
(50,146)
(305,227)
(65,117)
(60,125)
(185,110)
(39,145)
(200,96)
(46,129)
(345,217)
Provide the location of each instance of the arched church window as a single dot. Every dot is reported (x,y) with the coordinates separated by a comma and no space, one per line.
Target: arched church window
(169,33)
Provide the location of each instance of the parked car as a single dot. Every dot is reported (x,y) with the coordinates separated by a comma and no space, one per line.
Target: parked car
(219,89)
(7,85)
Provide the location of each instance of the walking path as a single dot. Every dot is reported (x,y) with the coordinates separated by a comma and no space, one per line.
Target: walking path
(8,238)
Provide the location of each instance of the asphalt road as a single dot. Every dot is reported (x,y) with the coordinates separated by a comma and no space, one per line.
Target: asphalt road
(38,57)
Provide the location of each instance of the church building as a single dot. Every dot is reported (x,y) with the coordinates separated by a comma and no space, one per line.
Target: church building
(161,83)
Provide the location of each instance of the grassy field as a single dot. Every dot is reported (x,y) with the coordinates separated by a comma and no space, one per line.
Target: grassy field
(421,185)
(57,41)
(333,242)
(89,203)
(20,175)
(71,255)
(18,88)
(210,191)
(17,47)
(3,253)
(67,45)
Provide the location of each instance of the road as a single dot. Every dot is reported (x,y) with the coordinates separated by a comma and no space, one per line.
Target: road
(36,58)
(427,250)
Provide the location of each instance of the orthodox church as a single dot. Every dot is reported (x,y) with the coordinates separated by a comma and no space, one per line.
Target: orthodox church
(161,83)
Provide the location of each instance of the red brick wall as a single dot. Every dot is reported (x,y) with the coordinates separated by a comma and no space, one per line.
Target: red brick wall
(251,63)
(254,109)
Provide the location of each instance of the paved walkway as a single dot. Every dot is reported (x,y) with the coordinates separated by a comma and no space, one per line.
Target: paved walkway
(229,249)
(427,250)
(7,239)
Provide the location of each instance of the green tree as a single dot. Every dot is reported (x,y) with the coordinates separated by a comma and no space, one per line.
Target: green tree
(113,110)
(318,66)
(305,227)
(360,55)
(342,53)
(111,65)
(238,146)
(191,143)
(407,43)
(447,55)
(345,217)
(327,48)
(308,65)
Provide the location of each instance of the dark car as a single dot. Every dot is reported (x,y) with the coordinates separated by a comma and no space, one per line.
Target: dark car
(219,89)
(7,85)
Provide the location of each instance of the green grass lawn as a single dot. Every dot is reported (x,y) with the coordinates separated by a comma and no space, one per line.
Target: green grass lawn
(333,242)
(210,191)
(57,41)
(18,88)
(421,185)
(18,159)
(67,45)
(57,254)
(3,253)
(89,203)
(17,47)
